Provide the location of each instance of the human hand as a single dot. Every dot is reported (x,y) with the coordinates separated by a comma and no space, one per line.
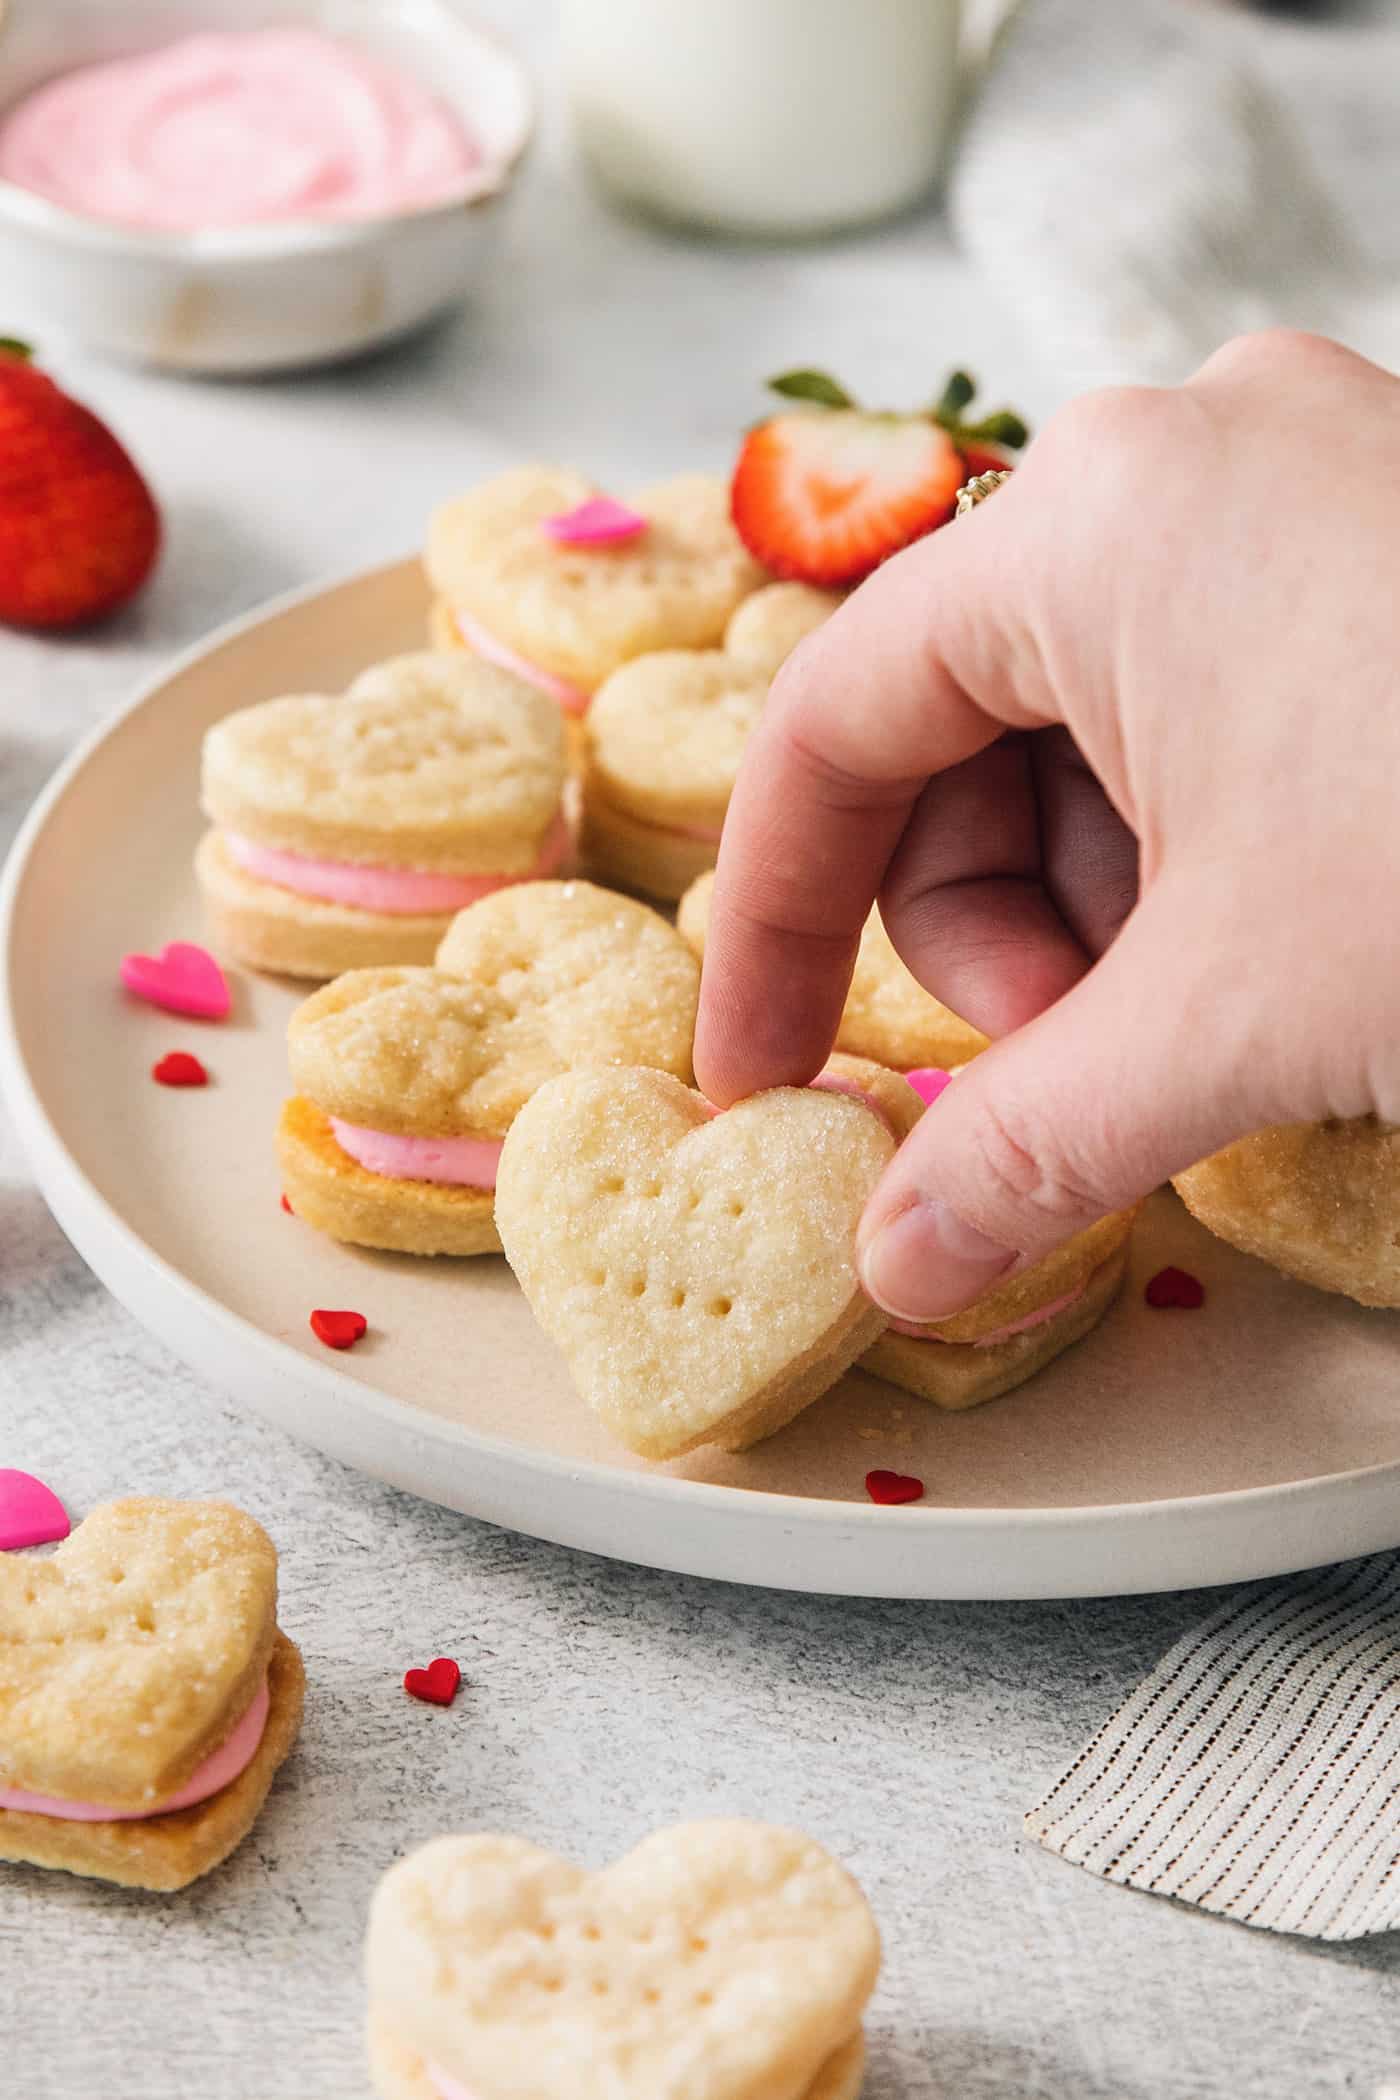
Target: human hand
(1120,756)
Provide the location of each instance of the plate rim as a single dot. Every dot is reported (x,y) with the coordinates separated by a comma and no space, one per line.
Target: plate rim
(105,1240)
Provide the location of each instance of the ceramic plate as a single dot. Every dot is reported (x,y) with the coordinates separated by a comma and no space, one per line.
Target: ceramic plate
(1169,1449)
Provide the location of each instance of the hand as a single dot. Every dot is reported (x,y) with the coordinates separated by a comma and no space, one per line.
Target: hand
(1120,755)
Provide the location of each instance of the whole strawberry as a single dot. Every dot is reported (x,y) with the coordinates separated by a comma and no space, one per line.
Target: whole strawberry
(827,491)
(79,529)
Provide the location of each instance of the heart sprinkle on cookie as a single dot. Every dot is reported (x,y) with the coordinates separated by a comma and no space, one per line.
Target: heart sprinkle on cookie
(600,522)
(1175,1290)
(183,978)
(179,1068)
(338,1330)
(437,1684)
(30,1513)
(891,1488)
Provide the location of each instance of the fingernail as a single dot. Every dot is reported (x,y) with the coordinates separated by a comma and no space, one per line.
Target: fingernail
(926,1263)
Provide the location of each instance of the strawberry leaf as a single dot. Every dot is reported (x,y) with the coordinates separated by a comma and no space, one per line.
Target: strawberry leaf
(11,346)
(811,386)
(954,399)
(1004,428)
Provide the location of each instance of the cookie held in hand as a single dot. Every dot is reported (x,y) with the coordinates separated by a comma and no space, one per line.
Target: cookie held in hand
(717,1961)
(697,1270)
(147,1696)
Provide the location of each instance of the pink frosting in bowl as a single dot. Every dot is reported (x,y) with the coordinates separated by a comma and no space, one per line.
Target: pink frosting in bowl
(238,128)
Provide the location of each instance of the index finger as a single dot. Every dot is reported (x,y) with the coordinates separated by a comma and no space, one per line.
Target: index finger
(914,674)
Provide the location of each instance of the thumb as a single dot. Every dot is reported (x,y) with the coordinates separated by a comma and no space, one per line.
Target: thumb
(1144,1067)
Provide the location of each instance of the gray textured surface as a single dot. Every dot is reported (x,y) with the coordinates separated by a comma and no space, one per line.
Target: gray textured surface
(602,1699)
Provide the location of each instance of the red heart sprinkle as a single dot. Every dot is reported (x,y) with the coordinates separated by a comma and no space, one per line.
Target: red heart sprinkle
(892,1487)
(178,1068)
(1175,1290)
(287,1206)
(437,1684)
(338,1330)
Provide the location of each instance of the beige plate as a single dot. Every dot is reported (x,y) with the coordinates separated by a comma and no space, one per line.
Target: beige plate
(1169,1449)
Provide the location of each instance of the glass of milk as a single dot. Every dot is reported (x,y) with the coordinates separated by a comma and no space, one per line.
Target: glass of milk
(764,117)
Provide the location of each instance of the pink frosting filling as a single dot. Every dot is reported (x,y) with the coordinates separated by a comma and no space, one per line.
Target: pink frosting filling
(460,1162)
(1037,1318)
(571,698)
(216,1772)
(448,2087)
(402,892)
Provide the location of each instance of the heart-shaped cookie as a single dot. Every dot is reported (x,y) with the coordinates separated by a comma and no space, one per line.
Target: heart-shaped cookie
(123,1654)
(407,1080)
(717,1961)
(568,615)
(698,1271)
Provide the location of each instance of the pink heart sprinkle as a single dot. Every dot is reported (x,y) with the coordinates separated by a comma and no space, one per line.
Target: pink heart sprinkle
(600,522)
(928,1083)
(30,1513)
(182,978)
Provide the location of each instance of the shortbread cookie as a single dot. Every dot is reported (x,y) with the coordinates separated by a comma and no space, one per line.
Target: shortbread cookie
(697,1270)
(717,1961)
(408,1080)
(1321,1201)
(663,740)
(888,1016)
(1015,1330)
(350,830)
(565,616)
(147,1696)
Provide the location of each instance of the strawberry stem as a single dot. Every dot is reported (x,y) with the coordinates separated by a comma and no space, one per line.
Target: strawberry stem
(11,346)
(807,385)
(954,399)
(1002,428)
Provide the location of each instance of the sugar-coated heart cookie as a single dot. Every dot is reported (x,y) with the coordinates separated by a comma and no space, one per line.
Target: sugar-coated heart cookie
(1318,1200)
(350,829)
(565,616)
(408,1080)
(717,1961)
(663,740)
(888,1015)
(147,1696)
(697,1270)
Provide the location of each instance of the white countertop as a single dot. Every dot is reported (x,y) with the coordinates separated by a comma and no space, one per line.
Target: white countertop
(602,1699)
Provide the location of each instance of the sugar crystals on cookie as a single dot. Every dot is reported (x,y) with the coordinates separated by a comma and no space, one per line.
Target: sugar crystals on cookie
(349,830)
(716,1961)
(147,1695)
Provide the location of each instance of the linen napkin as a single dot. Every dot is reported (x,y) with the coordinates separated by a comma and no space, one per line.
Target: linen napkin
(1256,1772)
(1141,181)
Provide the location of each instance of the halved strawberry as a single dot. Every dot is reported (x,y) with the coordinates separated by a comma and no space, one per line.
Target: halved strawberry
(825,493)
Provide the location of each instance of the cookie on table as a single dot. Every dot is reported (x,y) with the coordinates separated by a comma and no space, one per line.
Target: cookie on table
(663,740)
(716,1961)
(407,1080)
(696,1270)
(888,1016)
(350,829)
(1320,1201)
(1016,1330)
(565,615)
(147,1695)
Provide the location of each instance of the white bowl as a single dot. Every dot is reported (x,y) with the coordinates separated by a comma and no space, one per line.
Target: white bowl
(262,297)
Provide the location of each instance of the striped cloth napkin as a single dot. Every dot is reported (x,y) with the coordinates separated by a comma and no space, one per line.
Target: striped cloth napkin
(1256,1772)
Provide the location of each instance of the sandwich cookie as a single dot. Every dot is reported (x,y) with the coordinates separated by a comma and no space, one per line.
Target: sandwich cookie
(1320,1201)
(147,1696)
(716,1961)
(697,1270)
(350,830)
(526,581)
(664,737)
(407,1080)
(888,1016)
